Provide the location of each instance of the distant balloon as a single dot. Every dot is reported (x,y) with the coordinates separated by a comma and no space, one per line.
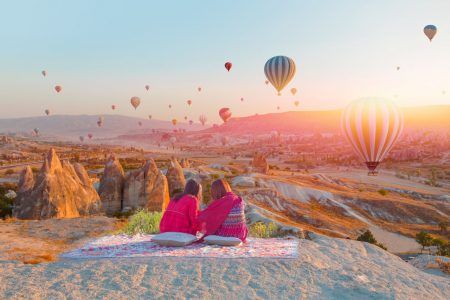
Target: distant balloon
(202,119)
(191,122)
(140,123)
(149,117)
(170,105)
(228,66)
(185,117)
(372,126)
(296,103)
(266,82)
(430,31)
(135,101)
(90,135)
(147,87)
(199,89)
(398,68)
(279,71)
(174,122)
(58,88)
(225,114)
(294,91)
(242,99)
(47,112)
(189,102)
(81,138)
(113,107)
(278,108)
(36,131)
(44,73)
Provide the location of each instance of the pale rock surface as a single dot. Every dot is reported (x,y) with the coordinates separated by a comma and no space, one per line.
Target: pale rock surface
(111,186)
(57,192)
(147,188)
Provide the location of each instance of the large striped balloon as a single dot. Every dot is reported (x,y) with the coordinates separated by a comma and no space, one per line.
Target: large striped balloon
(279,71)
(372,126)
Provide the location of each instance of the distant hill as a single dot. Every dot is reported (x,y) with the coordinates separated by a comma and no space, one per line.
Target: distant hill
(72,126)
(295,122)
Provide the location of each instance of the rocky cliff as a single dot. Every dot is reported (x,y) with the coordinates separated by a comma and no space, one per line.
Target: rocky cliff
(111,186)
(175,177)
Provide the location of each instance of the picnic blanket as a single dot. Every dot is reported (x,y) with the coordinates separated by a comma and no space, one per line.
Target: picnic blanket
(120,246)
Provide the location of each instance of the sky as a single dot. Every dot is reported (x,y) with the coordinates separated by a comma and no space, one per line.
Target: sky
(105,52)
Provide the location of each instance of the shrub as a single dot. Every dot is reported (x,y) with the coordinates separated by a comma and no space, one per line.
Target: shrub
(424,239)
(368,237)
(143,221)
(262,230)
(382,192)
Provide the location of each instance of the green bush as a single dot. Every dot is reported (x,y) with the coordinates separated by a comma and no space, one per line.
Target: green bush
(143,221)
(368,237)
(262,230)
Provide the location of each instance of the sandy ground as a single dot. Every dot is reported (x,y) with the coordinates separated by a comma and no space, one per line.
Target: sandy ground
(326,269)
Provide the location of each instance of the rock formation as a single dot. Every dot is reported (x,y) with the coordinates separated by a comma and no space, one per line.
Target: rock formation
(146,187)
(111,186)
(58,192)
(259,163)
(175,177)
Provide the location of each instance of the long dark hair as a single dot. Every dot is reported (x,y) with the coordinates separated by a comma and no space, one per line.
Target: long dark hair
(192,187)
(219,188)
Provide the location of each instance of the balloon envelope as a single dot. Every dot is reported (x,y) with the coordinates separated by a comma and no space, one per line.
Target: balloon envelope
(189,102)
(44,73)
(225,114)
(58,88)
(147,87)
(174,122)
(149,117)
(294,91)
(372,126)
(135,101)
(47,112)
(296,103)
(430,31)
(228,66)
(279,71)
(113,107)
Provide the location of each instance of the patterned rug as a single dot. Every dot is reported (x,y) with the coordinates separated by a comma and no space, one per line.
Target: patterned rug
(142,246)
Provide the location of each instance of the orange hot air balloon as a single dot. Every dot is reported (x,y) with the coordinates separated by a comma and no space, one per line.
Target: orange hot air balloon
(135,101)
(147,87)
(199,89)
(58,88)
(113,107)
(228,66)
(185,117)
(225,114)
(90,135)
(47,112)
(296,103)
(149,117)
(174,122)
(372,126)
(189,102)
(44,73)
(294,91)
(202,119)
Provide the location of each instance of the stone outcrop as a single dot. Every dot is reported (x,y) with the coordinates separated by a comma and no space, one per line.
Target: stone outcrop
(185,163)
(259,163)
(147,188)
(175,177)
(111,186)
(57,192)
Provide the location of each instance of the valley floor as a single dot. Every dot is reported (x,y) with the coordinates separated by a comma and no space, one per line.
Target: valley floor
(327,268)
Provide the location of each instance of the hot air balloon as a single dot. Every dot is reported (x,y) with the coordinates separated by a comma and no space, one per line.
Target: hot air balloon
(199,89)
(170,105)
(430,31)
(47,112)
(398,68)
(44,73)
(113,107)
(278,108)
(135,101)
(99,123)
(147,87)
(36,131)
(185,117)
(266,82)
(189,102)
(149,117)
(294,91)
(296,103)
(225,114)
(90,135)
(228,66)
(242,99)
(58,88)
(174,122)
(202,119)
(372,126)
(140,123)
(279,71)
(191,122)
(81,138)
